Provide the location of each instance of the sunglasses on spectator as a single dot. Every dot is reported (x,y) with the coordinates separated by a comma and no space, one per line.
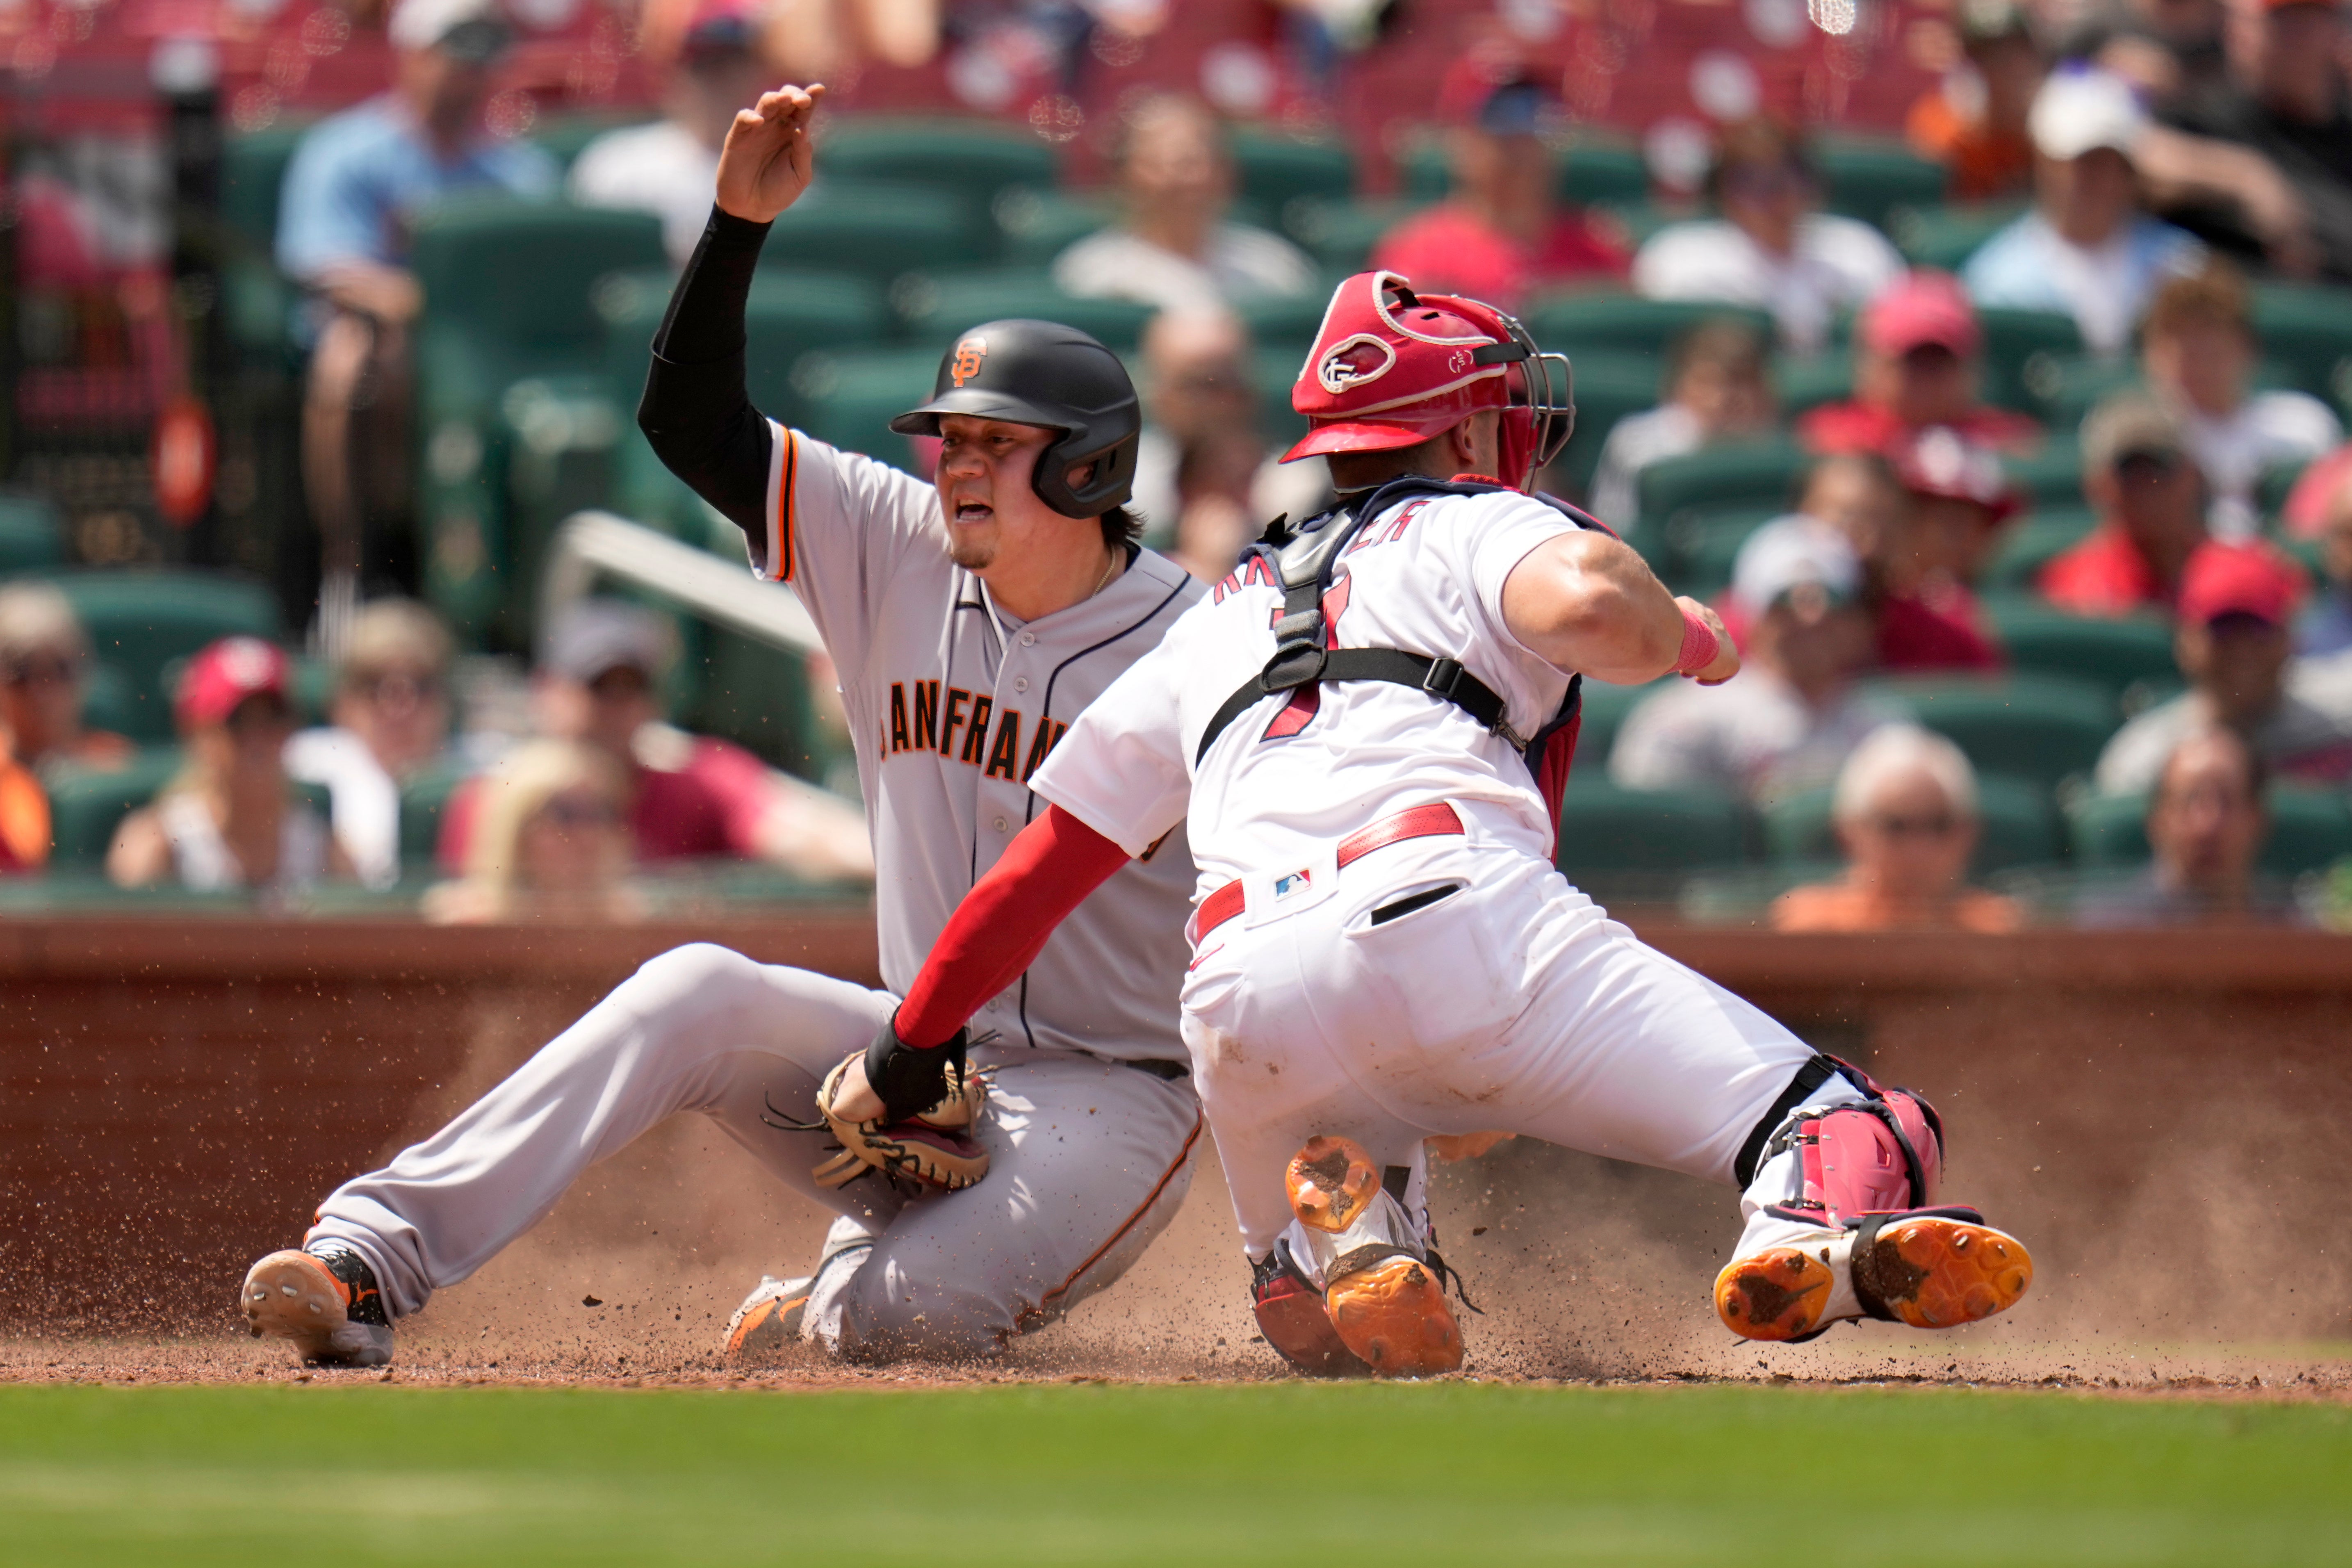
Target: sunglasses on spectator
(1763,184)
(576,811)
(55,670)
(395,685)
(2147,468)
(1943,825)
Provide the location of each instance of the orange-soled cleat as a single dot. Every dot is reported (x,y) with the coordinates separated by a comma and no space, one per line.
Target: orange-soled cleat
(1933,1271)
(1392,1314)
(1779,1293)
(1329,1182)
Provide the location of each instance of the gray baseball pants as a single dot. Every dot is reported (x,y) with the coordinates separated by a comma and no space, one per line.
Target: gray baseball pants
(1089,1160)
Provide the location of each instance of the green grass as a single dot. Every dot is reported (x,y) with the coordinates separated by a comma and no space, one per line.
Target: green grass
(1206,1474)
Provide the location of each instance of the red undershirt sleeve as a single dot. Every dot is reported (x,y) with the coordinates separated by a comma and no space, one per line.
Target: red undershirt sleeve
(1002,923)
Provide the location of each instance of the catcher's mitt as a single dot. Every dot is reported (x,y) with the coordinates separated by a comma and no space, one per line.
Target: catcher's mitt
(933,1145)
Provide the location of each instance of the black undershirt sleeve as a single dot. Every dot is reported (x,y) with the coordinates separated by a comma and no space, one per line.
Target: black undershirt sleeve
(695,411)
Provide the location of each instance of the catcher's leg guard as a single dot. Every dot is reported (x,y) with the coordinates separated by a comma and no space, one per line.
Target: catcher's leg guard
(1382,1296)
(1865,1174)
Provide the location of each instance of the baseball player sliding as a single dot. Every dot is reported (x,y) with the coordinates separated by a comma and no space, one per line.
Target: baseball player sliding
(1365,731)
(971,620)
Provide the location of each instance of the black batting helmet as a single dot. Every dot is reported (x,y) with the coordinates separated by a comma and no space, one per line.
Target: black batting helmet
(1041,373)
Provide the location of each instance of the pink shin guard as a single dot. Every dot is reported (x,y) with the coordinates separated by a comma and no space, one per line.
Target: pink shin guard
(1881,1156)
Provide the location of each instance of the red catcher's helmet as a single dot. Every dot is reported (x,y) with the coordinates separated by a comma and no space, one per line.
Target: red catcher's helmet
(1392,368)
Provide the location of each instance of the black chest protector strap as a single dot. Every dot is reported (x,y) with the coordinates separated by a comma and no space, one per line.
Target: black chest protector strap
(1303,564)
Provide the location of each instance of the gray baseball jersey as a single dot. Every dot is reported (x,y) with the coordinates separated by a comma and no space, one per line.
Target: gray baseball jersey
(952,705)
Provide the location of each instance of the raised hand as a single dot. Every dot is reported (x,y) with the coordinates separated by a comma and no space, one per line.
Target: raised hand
(769,159)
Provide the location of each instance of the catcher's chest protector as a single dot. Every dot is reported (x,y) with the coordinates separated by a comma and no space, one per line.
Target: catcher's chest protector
(1303,562)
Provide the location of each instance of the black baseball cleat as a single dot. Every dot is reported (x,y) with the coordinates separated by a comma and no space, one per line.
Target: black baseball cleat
(325,1301)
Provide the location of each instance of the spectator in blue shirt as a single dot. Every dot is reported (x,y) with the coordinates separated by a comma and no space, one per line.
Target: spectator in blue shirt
(352,192)
(2087,249)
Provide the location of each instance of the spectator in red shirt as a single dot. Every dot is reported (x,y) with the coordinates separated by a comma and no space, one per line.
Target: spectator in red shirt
(1920,617)
(1501,234)
(2139,477)
(1960,502)
(1917,350)
(689,796)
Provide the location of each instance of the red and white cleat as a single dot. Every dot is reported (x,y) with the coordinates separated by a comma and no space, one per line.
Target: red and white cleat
(1929,1271)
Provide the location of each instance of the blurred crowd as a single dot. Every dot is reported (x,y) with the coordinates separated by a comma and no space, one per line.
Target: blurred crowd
(2140,170)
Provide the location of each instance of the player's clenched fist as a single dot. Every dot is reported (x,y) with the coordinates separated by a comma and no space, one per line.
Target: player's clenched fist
(1707,666)
(769,158)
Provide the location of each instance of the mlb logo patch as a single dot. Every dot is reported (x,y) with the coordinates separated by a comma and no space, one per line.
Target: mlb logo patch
(1296,882)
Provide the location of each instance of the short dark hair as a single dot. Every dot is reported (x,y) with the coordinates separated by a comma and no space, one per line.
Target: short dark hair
(1762,141)
(1725,342)
(1121,527)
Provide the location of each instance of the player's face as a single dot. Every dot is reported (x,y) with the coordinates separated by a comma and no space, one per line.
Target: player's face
(983,479)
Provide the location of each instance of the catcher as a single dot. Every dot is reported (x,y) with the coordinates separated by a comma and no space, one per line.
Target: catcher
(1365,733)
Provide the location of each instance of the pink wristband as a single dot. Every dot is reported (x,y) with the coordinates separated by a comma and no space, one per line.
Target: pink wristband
(1700,646)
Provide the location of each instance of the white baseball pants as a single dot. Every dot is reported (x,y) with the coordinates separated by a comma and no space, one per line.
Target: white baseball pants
(1513,1004)
(1089,1160)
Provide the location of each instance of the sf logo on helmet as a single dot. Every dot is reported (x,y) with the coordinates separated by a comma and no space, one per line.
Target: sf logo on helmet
(1352,362)
(967,356)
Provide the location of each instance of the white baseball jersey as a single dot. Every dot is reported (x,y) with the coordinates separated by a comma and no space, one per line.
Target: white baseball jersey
(1287,780)
(953,706)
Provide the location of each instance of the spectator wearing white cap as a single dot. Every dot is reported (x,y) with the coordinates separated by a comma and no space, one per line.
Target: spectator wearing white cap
(1787,723)
(1906,815)
(1773,247)
(669,167)
(351,193)
(689,796)
(2087,249)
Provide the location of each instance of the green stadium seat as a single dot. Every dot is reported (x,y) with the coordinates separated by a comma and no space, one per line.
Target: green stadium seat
(565,137)
(849,397)
(1750,473)
(511,290)
(2030,725)
(2019,826)
(253,178)
(2307,328)
(1287,321)
(1274,371)
(522,274)
(880,231)
(787,315)
(1594,167)
(143,623)
(32,533)
(1601,168)
(1581,322)
(1609,387)
(423,799)
(1271,170)
(1701,543)
(1606,830)
(2030,544)
(1946,235)
(110,700)
(1808,383)
(968,157)
(2052,476)
(2118,653)
(2018,346)
(1341,235)
(1868,177)
(934,308)
(1033,227)
(2310,830)
(1604,710)
(86,804)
